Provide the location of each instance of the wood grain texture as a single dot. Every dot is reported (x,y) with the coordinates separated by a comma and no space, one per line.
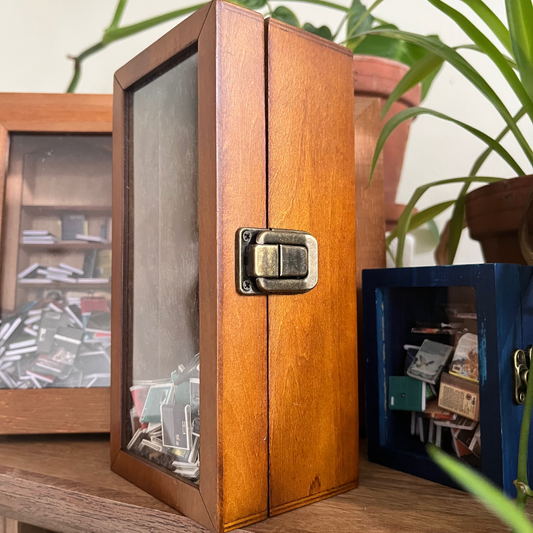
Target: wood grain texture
(81,494)
(54,411)
(84,113)
(238,177)
(8,525)
(312,337)
(232,193)
(369,213)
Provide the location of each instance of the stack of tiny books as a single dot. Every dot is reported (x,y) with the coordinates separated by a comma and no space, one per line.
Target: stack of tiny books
(440,386)
(56,343)
(165,420)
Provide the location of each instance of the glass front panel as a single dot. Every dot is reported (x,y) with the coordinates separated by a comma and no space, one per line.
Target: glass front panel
(164,415)
(431,371)
(56,262)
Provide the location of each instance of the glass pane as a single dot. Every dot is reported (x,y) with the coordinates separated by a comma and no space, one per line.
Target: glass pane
(431,371)
(165,389)
(56,262)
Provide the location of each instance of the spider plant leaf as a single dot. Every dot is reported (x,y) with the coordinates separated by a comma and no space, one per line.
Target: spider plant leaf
(509,60)
(492,21)
(424,67)
(490,50)
(482,158)
(413,112)
(405,218)
(421,218)
(457,224)
(465,68)
(520,19)
(483,490)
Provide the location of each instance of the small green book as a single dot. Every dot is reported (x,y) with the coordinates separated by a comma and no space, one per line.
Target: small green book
(407,394)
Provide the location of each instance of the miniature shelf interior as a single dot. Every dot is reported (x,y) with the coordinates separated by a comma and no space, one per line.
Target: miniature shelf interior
(85,493)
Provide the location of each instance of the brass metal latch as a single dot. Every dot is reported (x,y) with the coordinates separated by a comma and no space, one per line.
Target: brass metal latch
(275,261)
(521,364)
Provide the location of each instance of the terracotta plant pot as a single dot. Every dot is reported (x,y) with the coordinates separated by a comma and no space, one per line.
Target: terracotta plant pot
(493,215)
(377,77)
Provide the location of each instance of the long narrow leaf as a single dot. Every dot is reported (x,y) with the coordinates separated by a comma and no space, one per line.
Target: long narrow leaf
(421,218)
(458,62)
(492,21)
(475,48)
(413,112)
(405,217)
(482,489)
(457,224)
(482,158)
(423,68)
(492,52)
(520,18)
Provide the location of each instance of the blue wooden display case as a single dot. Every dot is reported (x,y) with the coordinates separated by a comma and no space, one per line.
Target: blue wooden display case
(395,299)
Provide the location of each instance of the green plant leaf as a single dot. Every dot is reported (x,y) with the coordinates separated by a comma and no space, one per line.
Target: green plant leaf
(377,45)
(520,19)
(433,230)
(482,158)
(325,3)
(487,493)
(475,48)
(490,50)
(323,31)
(421,218)
(251,4)
(424,67)
(407,213)
(458,62)
(413,112)
(284,14)
(457,224)
(492,21)
(355,24)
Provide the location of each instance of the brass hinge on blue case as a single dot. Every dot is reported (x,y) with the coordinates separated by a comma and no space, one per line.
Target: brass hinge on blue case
(521,364)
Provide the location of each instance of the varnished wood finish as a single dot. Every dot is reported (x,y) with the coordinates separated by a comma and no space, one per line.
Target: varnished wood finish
(232,169)
(67,487)
(47,410)
(312,337)
(64,113)
(54,411)
(369,212)
(232,193)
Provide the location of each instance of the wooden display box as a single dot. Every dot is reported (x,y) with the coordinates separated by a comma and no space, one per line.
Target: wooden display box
(208,141)
(395,300)
(56,161)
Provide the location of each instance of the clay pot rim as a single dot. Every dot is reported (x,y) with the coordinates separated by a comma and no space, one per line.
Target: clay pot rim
(514,184)
(395,72)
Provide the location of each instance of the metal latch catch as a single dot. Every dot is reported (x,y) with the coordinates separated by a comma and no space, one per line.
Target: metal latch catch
(275,261)
(521,364)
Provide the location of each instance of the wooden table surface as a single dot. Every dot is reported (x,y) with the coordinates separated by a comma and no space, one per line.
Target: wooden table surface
(64,484)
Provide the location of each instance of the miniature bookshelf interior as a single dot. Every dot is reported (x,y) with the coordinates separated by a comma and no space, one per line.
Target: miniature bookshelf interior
(432,371)
(56,262)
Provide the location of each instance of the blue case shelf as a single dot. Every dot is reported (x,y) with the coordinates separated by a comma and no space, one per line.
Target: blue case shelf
(393,299)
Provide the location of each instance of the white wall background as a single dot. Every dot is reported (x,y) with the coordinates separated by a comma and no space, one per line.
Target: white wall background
(36,36)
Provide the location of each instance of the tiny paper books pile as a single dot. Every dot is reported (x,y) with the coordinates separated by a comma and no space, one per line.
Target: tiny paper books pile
(440,387)
(165,420)
(56,343)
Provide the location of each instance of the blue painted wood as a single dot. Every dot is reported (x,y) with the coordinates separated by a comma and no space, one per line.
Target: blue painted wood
(392,300)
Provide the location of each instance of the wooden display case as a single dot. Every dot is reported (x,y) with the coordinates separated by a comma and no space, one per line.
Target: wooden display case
(227,124)
(56,171)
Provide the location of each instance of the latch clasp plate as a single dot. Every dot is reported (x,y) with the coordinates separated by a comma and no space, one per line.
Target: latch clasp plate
(275,261)
(521,364)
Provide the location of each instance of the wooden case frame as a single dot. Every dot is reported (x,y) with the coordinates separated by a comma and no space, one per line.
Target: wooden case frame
(254,408)
(233,489)
(51,410)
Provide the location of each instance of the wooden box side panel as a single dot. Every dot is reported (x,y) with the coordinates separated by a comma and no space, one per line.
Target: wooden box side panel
(85,113)
(312,337)
(36,411)
(232,169)
(369,213)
